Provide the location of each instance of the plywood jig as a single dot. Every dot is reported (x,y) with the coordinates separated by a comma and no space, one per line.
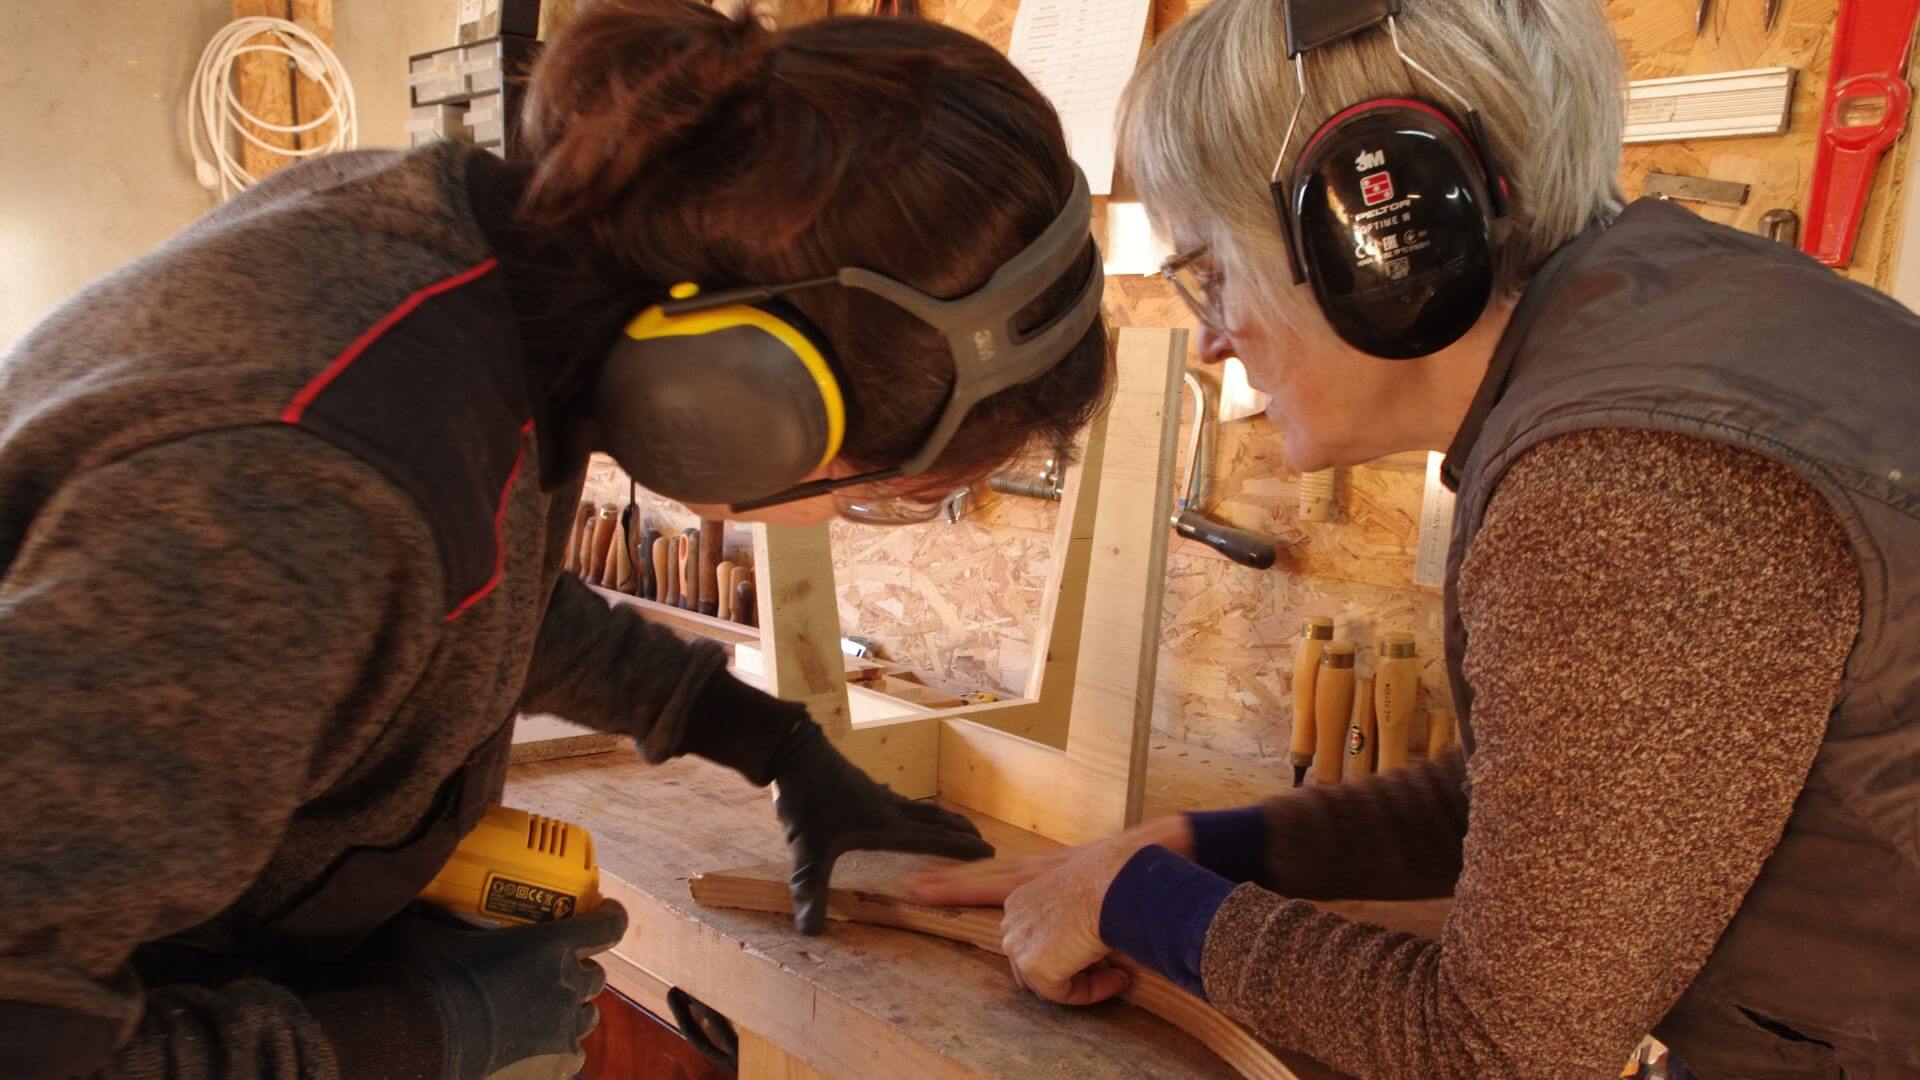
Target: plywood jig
(1068,761)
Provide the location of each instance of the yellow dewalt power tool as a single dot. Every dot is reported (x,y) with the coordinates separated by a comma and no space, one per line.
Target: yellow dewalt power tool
(516,868)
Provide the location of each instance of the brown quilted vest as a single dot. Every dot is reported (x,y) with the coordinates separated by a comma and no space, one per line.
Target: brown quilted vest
(1663,321)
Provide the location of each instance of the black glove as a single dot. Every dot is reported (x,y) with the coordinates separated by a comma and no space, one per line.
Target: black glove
(515,998)
(827,804)
(830,807)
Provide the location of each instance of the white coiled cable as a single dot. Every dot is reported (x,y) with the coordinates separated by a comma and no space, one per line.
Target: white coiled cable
(215,115)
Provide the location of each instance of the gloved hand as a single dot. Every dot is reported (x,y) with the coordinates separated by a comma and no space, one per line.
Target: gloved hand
(830,807)
(514,1002)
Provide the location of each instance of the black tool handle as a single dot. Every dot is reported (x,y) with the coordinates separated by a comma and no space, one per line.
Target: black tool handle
(1237,544)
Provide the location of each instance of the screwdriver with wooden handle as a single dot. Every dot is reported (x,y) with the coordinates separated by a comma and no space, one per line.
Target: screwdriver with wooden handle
(1306,668)
(1395,688)
(1332,706)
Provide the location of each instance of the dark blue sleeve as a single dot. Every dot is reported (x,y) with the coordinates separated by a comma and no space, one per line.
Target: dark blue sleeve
(1157,911)
(1231,843)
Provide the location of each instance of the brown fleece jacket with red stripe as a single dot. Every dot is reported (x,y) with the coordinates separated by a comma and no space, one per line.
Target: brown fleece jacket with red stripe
(282,510)
(1657,626)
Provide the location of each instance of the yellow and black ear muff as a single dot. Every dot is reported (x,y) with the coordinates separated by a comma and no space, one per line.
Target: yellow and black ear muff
(730,396)
(715,400)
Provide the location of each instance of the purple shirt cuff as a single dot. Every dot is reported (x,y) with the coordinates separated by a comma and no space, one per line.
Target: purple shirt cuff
(1157,911)
(1231,843)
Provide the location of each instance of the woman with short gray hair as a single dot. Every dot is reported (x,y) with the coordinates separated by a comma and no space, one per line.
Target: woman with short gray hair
(1683,624)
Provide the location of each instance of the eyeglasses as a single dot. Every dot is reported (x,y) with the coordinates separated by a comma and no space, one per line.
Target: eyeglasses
(1199,282)
(873,504)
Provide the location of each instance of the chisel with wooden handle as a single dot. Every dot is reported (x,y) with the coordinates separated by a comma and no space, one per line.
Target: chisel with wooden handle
(1361,733)
(713,534)
(1306,669)
(663,571)
(1395,687)
(602,545)
(647,587)
(744,608)
(1332,708)
(622,558)
(723,582)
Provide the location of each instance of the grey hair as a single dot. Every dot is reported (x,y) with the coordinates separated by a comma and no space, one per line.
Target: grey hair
(1208,111)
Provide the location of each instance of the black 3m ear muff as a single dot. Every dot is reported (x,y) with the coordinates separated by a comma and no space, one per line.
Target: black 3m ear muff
(1388,211)
(731,397)
(1393,228)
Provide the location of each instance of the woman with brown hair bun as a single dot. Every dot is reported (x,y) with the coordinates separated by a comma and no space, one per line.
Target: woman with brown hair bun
(776,274)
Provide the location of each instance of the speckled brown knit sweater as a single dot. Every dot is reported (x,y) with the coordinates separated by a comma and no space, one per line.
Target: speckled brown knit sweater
(1658,626)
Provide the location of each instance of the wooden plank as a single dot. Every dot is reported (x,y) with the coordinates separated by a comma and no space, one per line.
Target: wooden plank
(761,1060)
(1126,570)
(800,623)
(902,754)
(309,101)
(1110,574)
(871,893)
(554,16)
(1027,784)
(632,979)
(688,624)
(263,84)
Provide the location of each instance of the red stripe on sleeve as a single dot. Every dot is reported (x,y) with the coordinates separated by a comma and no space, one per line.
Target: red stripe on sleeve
(297,407)
(499,531)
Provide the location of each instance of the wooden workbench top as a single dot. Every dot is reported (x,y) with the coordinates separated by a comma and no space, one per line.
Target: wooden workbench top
(898,996)
(859,1001)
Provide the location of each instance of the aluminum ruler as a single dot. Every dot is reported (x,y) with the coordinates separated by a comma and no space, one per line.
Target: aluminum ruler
(1717,106)
(1436,527)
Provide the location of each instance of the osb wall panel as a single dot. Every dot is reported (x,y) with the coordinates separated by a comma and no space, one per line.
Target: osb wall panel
(1658,41)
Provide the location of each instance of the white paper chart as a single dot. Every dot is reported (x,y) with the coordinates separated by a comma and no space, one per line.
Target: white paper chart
(1080,53)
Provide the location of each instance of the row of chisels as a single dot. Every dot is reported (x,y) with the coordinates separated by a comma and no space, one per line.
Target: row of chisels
(620,549)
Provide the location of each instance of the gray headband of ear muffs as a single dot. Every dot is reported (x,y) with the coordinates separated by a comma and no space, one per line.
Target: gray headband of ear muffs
(713,397)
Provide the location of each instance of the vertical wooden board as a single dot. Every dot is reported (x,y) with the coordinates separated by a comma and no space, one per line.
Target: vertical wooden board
(799,623)
(903,754)
(263,84)
(1126,565)
(309,101)
(554,17)
(761,1060)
